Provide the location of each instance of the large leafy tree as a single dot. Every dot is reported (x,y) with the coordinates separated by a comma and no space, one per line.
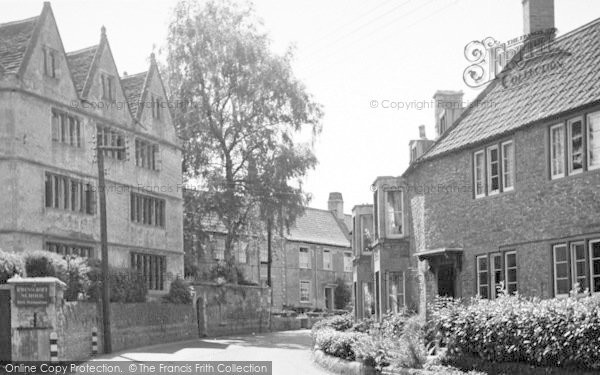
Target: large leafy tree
(239,110)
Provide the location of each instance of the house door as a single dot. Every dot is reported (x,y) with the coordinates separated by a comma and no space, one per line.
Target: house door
(329,298)
(5,334)
(446,276)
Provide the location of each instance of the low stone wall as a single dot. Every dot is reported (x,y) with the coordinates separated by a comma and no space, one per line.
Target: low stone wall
(231,309)
(76,320)
(286,323)
(141,324)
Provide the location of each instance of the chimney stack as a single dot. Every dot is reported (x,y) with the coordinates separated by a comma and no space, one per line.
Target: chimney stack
(448,107)
(422,134)
(538,16)
(335,204)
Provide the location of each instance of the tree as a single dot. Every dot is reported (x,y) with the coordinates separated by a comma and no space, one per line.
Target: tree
(343,294)
(239,108)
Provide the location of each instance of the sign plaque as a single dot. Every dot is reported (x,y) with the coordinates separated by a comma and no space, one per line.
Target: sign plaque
(32,295)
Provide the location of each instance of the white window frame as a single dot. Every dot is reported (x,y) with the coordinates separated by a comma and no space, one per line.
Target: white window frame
(480,271)
(554,264)
(507,268)
(573,260)
(479,178)
(589,121)
(361,220)
(307,283)
(307,264)
(570,122)
(387,219)
(511,166)
(493,283)
(553,174)
(591,261)
(398,307)
(329,265)
(347,261)
(489,170)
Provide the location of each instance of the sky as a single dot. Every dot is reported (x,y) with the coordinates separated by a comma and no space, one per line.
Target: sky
(355,57)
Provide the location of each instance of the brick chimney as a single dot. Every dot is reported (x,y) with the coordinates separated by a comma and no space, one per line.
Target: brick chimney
(422,132)
(448,106)
(419,146)
(538,15)
(335,204)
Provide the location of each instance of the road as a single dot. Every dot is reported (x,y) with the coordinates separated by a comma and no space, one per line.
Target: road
(290,351)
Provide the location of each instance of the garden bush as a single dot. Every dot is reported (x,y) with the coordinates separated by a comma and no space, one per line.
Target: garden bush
(125,285)
(179,293)
(337,343)
(336,322)
(556,332)
(41,263)
(10,264)
(78,281)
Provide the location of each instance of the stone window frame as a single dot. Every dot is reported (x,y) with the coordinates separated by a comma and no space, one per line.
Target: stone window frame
(307,291)
(327,266)
(388,278)
(69,248)
(385,212)
(491,283)
(487,178)
(108,86)
(65,193)
(145,209)
(66,128)
(307,264)
(147,154)
(587,119)
(151,267)
(573,276)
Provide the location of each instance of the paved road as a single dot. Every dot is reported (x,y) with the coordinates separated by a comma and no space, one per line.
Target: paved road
(289,351)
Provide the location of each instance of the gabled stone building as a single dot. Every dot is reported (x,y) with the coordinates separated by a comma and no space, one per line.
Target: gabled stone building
(54,107)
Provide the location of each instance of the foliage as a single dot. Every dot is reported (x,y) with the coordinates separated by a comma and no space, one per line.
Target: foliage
(555,332)
(41,263)
(78,281)
(342,294)
(337,343)
(126,285)
(227,272)
(179,293)
(241,107)
(336,322)
(10,264)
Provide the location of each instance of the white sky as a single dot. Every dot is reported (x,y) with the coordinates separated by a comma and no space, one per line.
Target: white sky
(349,53)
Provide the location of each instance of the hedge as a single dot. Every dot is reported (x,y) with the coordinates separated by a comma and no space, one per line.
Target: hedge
(337,343)
(555,332)
(10,264)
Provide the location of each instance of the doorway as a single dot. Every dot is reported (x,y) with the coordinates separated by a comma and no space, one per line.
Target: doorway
(5,332)
(329,298)
(446,281)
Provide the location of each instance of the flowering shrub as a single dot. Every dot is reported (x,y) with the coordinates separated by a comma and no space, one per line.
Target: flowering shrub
(555,332)
(10,264)
(336,322)
(336,343)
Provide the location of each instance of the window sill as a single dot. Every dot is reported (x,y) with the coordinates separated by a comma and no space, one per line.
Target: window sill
(576,175)
(496,195)
(149,226)
(147,169)
(64,211)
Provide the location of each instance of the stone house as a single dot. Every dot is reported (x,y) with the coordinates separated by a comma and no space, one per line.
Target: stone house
(307,260)
(55,106)
(508,194)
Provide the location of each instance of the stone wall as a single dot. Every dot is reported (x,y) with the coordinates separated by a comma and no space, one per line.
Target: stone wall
(76,320)
(231,309)
(539,212)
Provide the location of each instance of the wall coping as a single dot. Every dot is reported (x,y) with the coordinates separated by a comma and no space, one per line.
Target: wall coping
(35,280)
(228,285)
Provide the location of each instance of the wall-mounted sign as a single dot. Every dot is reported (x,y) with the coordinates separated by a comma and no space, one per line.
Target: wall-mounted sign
(30,295)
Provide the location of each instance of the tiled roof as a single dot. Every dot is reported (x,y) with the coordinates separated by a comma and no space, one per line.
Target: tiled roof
(318,226)
(80,63)
(569,78)
(14,40)
(133,86)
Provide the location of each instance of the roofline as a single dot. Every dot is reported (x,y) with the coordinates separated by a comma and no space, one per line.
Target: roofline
(479,99)
(85,49)
(11,23)
(134,75)
(318,243)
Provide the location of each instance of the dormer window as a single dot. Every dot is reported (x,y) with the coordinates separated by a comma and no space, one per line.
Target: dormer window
(50,65)
(394,217)
(108,87)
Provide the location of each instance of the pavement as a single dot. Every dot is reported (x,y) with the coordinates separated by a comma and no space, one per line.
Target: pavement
(290,351)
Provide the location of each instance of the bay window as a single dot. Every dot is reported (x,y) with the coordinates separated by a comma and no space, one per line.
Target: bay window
(393,213)
(396,295)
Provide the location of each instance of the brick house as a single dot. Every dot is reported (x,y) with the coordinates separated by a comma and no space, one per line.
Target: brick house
(54,106)
(306,261)
(508,193)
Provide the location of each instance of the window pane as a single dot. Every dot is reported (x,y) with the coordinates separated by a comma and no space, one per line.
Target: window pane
(595,249)
(557,150)
(493,172)
(393,206)
(511,275)
(479,174)
(560,253)
(562,270)
(511,260)
(594,140)
(576,146)
(507,165)
(562,286)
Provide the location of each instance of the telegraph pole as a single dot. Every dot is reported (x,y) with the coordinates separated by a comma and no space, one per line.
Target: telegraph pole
(107,338)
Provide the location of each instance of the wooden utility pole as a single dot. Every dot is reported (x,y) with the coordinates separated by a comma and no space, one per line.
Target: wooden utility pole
(107,337)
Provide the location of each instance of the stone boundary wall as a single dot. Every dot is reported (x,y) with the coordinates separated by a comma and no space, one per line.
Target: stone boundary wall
(225,309)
